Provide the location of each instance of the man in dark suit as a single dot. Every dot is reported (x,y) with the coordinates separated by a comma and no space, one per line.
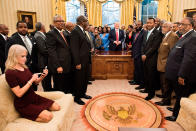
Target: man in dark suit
(116,37)
(80,49)
(175,28)
(158,24)
(3,41)
(181,63)
(21,37)
(59,56)
(136,54)
(42,54)
(149,57)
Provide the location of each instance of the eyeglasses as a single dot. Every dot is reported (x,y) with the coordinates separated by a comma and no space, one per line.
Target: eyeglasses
(182,24)
(59,21)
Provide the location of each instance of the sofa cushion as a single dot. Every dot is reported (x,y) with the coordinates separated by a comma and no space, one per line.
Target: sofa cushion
(7,109)
(61,121)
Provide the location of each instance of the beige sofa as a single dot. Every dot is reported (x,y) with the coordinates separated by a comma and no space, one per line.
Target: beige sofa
(187,114)
(11,121)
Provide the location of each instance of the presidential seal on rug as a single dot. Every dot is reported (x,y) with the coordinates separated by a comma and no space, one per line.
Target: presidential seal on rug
(108,112)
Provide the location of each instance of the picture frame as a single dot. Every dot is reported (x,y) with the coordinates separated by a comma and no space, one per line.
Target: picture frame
(29,17)
(189,12)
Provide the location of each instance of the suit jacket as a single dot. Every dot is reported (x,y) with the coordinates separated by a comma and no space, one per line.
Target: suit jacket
(3,43)
(42,50)
(112,38)
(181,61)
(59,54)
(150,47)
(137,44)
(80,47)
(166,45)
(31,58)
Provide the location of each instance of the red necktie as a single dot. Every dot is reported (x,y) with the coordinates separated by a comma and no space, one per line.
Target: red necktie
(116,35)
(64,38)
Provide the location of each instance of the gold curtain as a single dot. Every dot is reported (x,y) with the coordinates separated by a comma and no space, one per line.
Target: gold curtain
(126,16)
(165,9)
(58,8)
(94,10)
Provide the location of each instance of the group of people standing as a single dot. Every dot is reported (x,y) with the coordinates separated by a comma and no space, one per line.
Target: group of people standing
(164,56)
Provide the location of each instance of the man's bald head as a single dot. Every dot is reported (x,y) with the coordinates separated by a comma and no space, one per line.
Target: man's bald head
(69,26)
(4,29)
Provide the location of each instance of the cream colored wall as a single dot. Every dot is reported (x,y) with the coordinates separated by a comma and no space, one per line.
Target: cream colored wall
(8,9)
(179,6)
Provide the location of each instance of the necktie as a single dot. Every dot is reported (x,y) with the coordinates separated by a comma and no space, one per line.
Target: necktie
(64,38)
(148,35)
(116,35)
(136,36)
(27,45)
(180,38)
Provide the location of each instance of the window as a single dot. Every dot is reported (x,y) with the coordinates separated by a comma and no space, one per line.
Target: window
(110,13)
(72,10)
(149,9)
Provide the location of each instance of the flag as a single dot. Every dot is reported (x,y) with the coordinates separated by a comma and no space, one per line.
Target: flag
(85,11)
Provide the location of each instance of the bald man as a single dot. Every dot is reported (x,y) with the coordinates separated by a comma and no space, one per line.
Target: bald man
(69,26)
(3,40)
(116,37)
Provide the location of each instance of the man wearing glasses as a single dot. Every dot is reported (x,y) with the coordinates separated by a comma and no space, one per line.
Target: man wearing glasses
(59,56)
(181,63)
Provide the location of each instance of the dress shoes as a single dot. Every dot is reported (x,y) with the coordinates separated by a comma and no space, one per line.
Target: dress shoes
(89,83)
(79,101)
(170,118)
(132,82)
(149,97)
(163,103)
(170,109)
(160,96)
(143,91)
(139,87)
(87,97)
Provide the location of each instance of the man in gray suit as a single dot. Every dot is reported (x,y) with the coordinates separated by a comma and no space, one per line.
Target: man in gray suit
(42,54)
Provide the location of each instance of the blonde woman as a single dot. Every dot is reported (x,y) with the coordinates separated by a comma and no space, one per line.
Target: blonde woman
(20,79)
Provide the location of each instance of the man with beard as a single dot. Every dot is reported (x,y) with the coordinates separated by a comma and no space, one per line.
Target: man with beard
(181,63)
(21,37)
(80,49)
(136,54)
(149,57)
(3,41)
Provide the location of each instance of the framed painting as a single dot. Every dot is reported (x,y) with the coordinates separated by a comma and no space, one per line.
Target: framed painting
(189,12)
(29,18)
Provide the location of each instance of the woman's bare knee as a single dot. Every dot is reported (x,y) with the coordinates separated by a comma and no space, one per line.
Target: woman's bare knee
(45,116)
(55,107)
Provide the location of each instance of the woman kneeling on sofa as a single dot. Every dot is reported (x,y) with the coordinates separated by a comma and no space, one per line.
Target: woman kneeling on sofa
(19,78)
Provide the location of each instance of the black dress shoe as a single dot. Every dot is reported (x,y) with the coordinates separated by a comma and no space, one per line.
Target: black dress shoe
(79,101)
(170,118)
(160,96)
(132,82)
(170,109)
(149,97)
(89,83)
(87,97)
(163,103)
(143,91)
(139,87)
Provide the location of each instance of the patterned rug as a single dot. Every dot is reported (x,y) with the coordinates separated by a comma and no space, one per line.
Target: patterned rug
(112,110)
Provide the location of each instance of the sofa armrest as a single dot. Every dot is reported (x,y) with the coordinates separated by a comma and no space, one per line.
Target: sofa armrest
(193,97)
(51,95)
(189,106)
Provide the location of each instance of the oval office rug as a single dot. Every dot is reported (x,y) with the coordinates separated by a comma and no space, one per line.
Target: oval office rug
(112,110)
